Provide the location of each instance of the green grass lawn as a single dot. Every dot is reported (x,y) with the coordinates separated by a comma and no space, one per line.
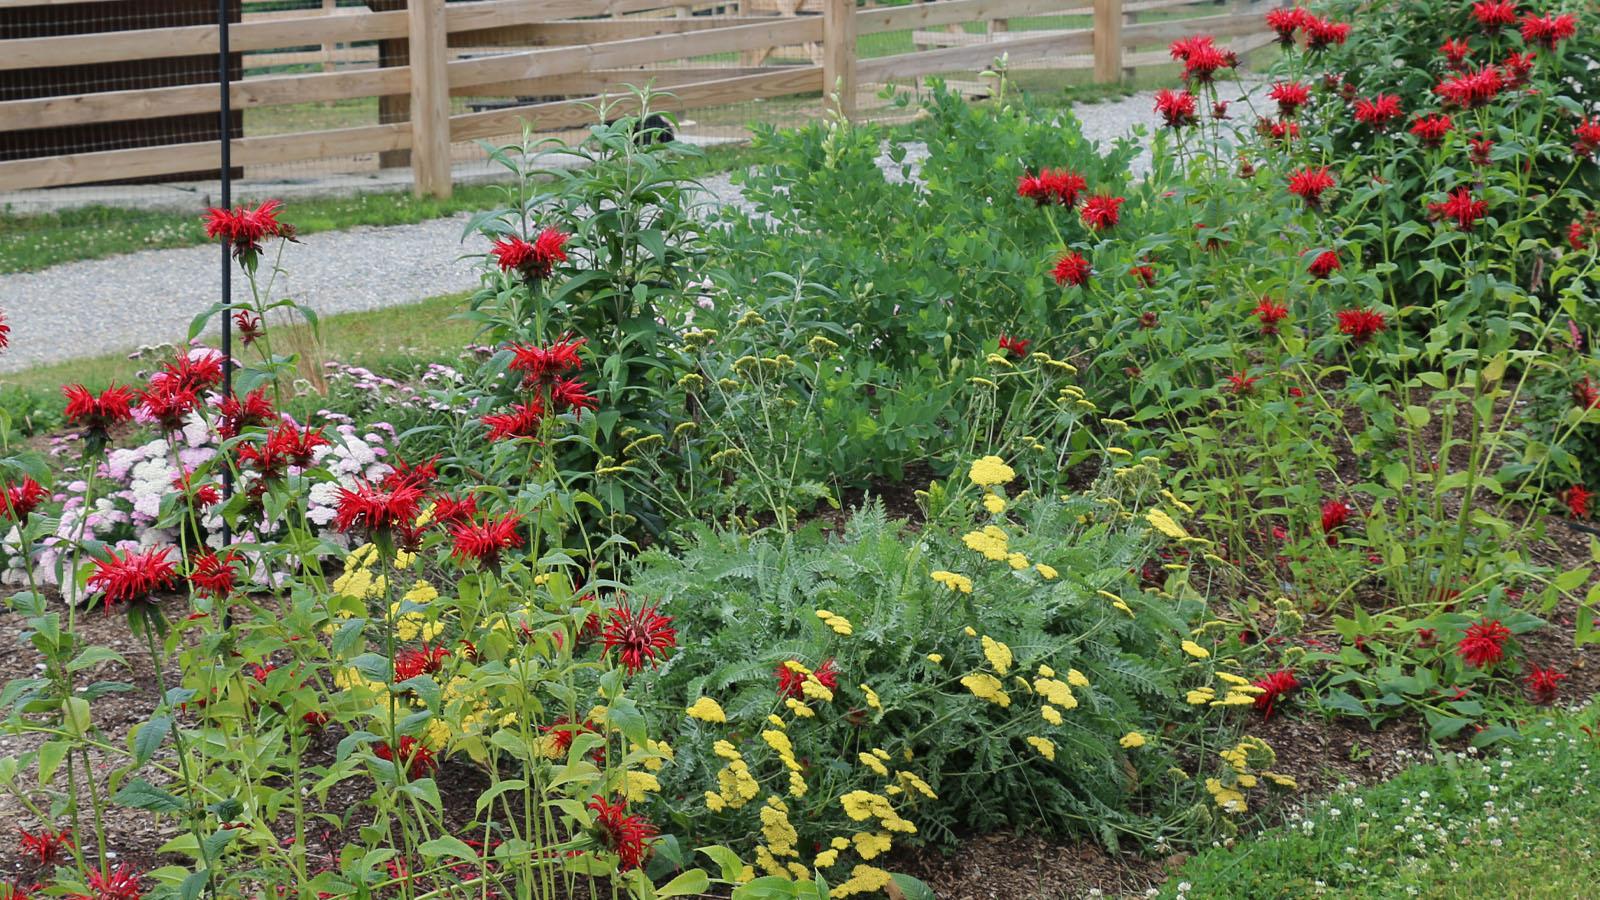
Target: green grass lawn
(1513,823)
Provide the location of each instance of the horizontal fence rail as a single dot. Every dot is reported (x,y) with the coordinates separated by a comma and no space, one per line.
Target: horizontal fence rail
(545,62)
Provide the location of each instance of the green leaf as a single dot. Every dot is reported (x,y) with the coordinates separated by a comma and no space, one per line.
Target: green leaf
(625,715)
(51,756)
(912,888)
(448,846)
(694,881)
(726,860)
(149,737)
(141,794)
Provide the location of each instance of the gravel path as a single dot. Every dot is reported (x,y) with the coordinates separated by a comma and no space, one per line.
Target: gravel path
(115,305)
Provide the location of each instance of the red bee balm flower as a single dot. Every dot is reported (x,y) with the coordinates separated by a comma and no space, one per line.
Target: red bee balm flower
(1484,643)
(44,847)
(1325,264)
(1177,108)
(447,510)
(1072,269)
(1470,90)
(1576,499)
(627,836)
(521,422)
(1015,346)
(1431,130)
(1378,112)
(375,508)
(1100,211)
(1493,15)
(1285,22)
(535,260)
(1460,206)
(1202,57)
(120,884)
(570,394)
(213,574)
(250,328)
(1270,314)
(638,637)
(415,755)
(1335,513)
(1241,383)
(1361,324)
(409,664)
(1145,274)
(22,499)
(1544,684)
(245,228)
(791,684)
(485,541)
(1455,51)
(543,365)
(1058,186)
(235,415)
(1310,184)
(1322,34)
(133,576)
(5,331)
(1548,31)
(113,406)
(1586,137)
(1290,96)
(1275,687)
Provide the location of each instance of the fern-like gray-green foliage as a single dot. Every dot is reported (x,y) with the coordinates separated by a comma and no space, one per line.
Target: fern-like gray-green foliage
(745,605)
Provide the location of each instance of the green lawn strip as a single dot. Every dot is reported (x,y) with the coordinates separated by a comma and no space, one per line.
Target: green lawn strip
(1513,823)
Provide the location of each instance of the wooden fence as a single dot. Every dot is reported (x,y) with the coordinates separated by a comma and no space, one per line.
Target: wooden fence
(526,52)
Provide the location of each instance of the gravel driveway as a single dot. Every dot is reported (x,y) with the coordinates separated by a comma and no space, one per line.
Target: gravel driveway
(114,305)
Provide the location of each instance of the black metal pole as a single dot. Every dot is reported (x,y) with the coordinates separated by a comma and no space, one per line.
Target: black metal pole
(224,138)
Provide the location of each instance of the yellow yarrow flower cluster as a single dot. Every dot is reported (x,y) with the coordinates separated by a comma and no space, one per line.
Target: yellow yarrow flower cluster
(861,806)
(1043,746)
(839,624)
(781,840)
(1248,762)
(986,687)
(1132,741)
(875,761)
(1161,521)
(863,880)
(989,471)
(953,581)
(707,710)
(990,541)
(1116,601)
(1237,691)
(998,654)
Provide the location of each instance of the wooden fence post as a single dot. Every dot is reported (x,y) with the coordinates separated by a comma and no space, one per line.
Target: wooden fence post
(430,99)
(839,54)
(1108,41)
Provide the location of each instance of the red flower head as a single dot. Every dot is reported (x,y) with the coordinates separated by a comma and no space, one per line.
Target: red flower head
(638,637)
(167,404)
(1325,264)
(1480,148)
(410,663)
(542,366)
(628,836)
(1516,68)
(1285,21)
(197,495)
(1101,211)
(5,331)
(1460,206)
(1586,137)
(1241,383)
(1015,346)
(1379,112)
(46,846)
(416,756)
(1072,269)
(1576,499)
(1270,314)
(1290,96)
(195,373)
(1544,684)
(245,228)
(1278,131)
(377,509)
(521,422)
(120,884)
(235,415)
(22,499)
(1548,31)
(1455,51)
(1219,109)
(1057,186)
(113,406)
(213,574)
(1177,108)
(1309,184)
(1335,513)
(285,445)
(562,731)
(1484,643)
(447,510)
(1322,34)
(485,541)
(1586,394)
(418,475)
(250,328)
(572,394)
(1493,15)
(1470,90)
(1145,274)
(1202,57)
(536,260)
(1361,324)
(791,684)
(1275,687)
(1431,130)
(133,576)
